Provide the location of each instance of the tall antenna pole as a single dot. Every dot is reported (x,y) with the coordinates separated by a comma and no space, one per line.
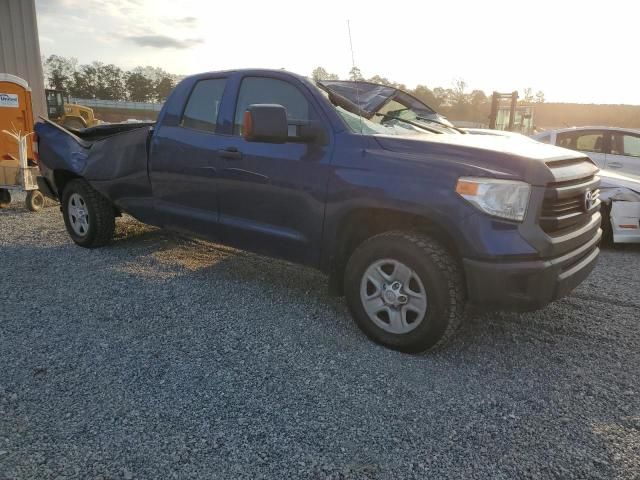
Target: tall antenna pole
(353,67)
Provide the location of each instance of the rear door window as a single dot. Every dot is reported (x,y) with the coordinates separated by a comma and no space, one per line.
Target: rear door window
(203,106)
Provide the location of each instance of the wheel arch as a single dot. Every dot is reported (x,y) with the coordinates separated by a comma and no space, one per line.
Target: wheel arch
(360,224)
(61,178)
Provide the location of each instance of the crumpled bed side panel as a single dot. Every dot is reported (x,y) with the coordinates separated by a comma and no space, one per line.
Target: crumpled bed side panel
(118,156)
(59,150)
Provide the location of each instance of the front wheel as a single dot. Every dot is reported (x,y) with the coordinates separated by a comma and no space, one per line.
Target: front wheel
(405,291)
(34,201)
(88,215)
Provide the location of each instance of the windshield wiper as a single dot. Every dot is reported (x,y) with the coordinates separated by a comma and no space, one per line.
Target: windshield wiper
(443,124)
(415,124)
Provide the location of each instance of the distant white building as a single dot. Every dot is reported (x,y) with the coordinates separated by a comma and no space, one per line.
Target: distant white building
(20,48)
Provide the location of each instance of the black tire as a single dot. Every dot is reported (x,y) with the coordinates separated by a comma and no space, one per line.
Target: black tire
(5,198)
(439,273)
(101,219)
(34,201)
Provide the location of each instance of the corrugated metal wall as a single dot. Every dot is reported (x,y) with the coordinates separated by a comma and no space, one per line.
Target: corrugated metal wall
(20,47)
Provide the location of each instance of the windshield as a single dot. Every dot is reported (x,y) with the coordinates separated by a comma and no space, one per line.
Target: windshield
(359,124)
(428,118)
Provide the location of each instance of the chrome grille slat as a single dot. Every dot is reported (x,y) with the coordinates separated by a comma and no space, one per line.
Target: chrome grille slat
(572,188)
(563,207)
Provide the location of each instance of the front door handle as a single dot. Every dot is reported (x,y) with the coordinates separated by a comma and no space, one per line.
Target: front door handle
(231,153)
(614,165)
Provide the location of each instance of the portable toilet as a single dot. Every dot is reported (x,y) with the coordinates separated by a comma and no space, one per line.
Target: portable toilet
(16,113)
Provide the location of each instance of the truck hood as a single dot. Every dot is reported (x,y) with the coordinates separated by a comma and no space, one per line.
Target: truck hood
(484,155)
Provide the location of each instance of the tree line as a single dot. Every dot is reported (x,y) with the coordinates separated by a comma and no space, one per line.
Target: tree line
(454,102)
(152,84)
(107,81)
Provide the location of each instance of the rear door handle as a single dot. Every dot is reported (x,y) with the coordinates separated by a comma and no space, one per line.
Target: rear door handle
(231,153)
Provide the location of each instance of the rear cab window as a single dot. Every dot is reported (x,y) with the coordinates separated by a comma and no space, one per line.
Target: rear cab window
(203,106)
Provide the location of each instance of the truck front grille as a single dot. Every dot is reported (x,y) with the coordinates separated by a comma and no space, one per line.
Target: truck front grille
(570,202)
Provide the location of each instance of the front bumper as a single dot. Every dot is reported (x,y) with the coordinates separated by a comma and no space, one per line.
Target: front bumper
(529,284)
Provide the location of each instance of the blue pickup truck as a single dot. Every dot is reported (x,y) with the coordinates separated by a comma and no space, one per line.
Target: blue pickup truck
(411,219)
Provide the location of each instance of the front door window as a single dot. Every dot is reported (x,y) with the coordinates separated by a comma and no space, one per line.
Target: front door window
(583,141)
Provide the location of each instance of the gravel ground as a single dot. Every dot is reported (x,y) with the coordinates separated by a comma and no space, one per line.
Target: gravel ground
(162,357)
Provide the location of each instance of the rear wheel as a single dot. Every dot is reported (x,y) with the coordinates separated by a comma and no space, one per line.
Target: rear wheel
(34,201)
(88,215)
(5,198)
(405,291)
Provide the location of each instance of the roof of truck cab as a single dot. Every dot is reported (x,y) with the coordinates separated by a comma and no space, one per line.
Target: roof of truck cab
(252,71)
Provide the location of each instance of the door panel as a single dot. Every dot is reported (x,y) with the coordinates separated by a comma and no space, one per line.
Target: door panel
(272,199)
(624,153)
(183,164)
(272,195)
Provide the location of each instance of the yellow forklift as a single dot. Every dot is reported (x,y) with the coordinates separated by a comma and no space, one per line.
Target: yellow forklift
(69,115)
(507,114)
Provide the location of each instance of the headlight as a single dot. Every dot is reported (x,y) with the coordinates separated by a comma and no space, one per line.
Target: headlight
(500,198)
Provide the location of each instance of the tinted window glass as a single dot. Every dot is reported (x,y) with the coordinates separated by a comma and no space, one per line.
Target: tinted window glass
(582,141)
(203,105)
(624,144)
(269,90)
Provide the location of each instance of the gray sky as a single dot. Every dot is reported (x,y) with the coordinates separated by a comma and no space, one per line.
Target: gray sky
(574,51)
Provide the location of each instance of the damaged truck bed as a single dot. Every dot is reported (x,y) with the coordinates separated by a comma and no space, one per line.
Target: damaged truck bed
(113,158)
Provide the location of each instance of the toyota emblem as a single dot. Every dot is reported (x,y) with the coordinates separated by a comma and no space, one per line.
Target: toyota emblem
(589,200)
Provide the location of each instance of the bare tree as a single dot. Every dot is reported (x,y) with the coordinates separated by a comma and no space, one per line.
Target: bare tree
(320,73)
(355,74)
(527,95)
(459,97)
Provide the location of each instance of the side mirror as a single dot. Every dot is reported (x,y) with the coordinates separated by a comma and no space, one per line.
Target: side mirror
(265,123)
(312,132)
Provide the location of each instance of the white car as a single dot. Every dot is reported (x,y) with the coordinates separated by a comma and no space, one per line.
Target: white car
(497,133)
(620,196)
(609,147)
